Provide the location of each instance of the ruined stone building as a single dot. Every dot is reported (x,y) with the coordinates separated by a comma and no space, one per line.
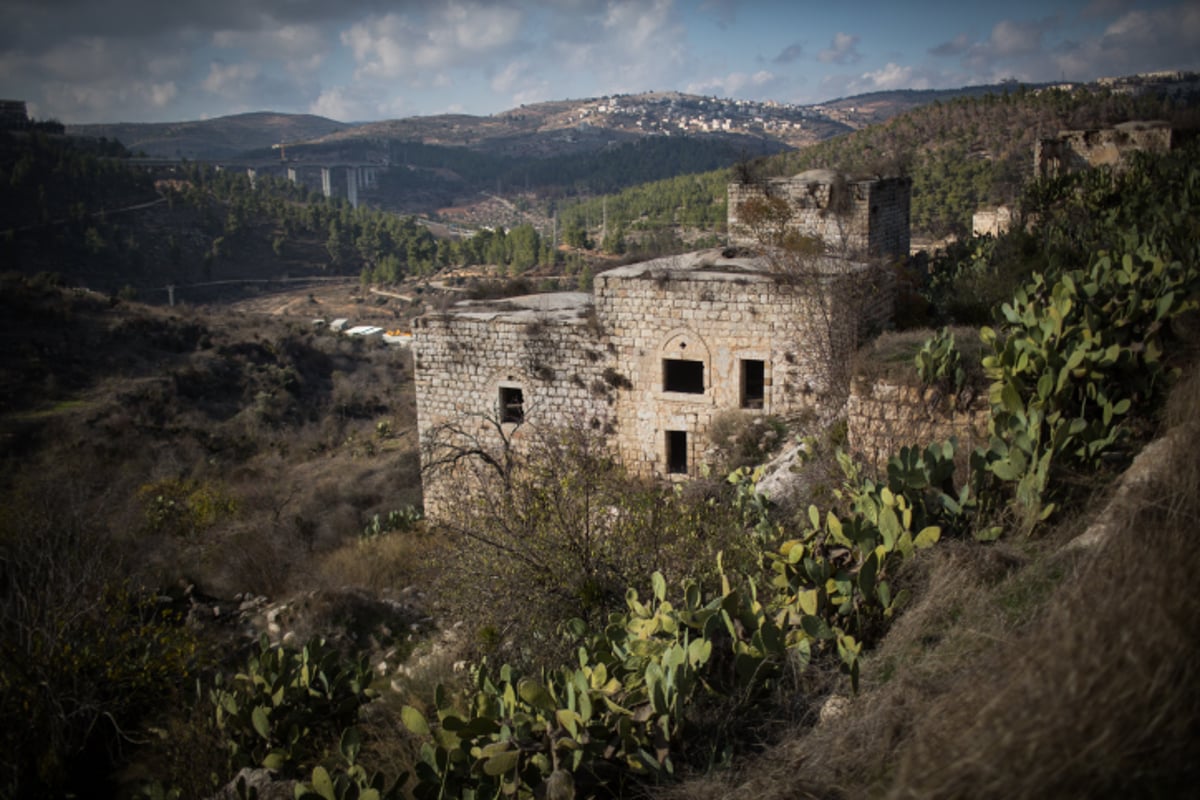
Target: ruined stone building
(859,217)
(654,355)
(1072,151)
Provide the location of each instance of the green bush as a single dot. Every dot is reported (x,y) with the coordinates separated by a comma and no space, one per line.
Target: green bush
(1075,356)
(625,709)
(288,707)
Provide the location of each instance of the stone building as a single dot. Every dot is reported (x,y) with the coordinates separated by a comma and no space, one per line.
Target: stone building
(1072,151)
(858,217)
(656,354)
(991,221)
(661,351)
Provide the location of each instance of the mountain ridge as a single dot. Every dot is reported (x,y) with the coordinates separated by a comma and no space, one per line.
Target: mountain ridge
(562,125)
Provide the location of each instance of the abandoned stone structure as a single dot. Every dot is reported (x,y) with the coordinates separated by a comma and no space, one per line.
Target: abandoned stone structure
(868,217)
(1072,151)
(991,221)
(660,351)
(653,357)
(883,416)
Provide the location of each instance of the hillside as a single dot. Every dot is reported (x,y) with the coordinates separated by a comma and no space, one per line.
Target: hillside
(544,129)
(962,154)
(178,483)
(224,137)
(963,149)
(181,481)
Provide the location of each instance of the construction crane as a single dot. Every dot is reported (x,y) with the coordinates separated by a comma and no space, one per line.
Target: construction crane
(282,148)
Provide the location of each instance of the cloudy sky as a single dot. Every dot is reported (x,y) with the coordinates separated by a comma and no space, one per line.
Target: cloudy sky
(157,60)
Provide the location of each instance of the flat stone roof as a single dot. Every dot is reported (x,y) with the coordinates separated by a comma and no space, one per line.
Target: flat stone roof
(714,265)
(526,308)
(702,264)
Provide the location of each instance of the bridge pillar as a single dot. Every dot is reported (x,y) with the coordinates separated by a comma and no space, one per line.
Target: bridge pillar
(327,181)
(352,186)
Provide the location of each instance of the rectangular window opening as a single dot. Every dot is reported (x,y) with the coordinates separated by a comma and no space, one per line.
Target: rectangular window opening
(677,456)
(753,383)
(512,404)
(683,376)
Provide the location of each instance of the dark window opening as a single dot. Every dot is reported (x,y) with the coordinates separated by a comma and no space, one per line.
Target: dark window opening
(677,457)
(683,376)
(512,404)
(753,383)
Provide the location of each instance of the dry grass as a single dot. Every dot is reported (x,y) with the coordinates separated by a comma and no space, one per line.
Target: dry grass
(308,434)
(1102,697)
(394,561)
(1025,670)
(890,356)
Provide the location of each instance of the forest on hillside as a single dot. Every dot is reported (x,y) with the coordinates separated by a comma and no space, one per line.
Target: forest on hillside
(963,155)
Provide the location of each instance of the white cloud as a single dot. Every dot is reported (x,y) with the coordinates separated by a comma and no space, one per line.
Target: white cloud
(842,50)
(454,35)
(520,81)
(230,80)
(891,76)
(89,79)
(302,49)
(509,77)
(291,41)
(357,102)
(1015,38)
(1139,41)
(956,46)
(162,93)
(735,84)
(338,103)
(793,52)
(623,47)
(108,100)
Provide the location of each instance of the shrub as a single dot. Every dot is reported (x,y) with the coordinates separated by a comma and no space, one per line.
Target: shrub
(288,707)
(184,508)
(740,439)
(86,655)
(565,531)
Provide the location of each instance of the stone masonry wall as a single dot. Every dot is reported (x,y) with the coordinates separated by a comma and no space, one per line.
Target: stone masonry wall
(873,220)
(883,417)
(722,323)
(463,361)
(653,358)
(1072,151)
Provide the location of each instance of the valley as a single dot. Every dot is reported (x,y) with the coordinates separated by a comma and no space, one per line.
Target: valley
(214,558)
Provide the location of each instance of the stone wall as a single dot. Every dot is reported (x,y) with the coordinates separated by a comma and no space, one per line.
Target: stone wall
(663,349)
(991,221)
(468,363)
(883,417)
(853,217)
(1072,151)
(751,333)
(658,353)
